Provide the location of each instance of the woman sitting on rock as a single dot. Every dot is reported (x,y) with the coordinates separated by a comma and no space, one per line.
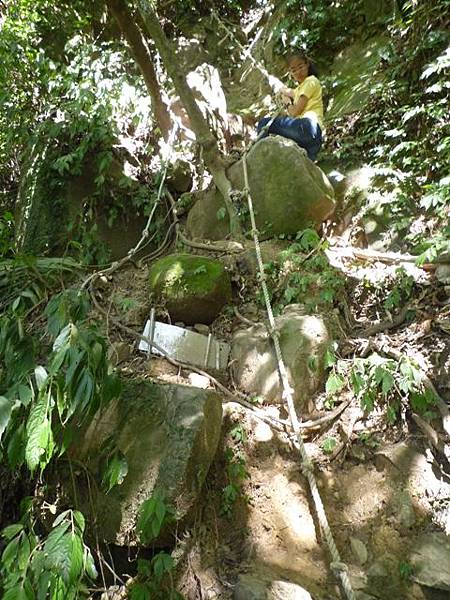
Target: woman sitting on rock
(304,121)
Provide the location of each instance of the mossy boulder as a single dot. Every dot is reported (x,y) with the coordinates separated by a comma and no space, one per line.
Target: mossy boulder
(289,193)
(166,437)
(194,289)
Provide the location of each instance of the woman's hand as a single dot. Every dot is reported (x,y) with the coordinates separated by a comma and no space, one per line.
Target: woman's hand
(286,91)
(286,100)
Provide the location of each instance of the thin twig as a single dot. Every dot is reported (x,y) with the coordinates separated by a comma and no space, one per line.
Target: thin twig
(242,318)
(383,325)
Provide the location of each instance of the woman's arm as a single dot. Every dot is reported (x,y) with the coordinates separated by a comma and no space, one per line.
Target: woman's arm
(295,110)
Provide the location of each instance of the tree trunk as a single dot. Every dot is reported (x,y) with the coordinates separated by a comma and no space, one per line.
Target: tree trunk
(208,143)
(142,56)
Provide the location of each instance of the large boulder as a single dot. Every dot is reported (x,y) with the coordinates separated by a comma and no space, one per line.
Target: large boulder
(288,190)
(304,340)
(194,289)
(168,435)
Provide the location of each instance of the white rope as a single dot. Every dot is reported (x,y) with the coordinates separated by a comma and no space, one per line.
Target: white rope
(337,566)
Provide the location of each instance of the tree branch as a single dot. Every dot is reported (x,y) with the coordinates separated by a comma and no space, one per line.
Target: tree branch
(211,154)
(143,58)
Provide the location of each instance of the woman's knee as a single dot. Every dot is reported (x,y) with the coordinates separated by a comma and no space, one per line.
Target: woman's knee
(261,123)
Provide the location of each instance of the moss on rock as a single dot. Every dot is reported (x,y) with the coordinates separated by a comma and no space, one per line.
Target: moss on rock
(194,289)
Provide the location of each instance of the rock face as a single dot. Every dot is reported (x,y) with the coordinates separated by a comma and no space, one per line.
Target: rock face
(194,289)
(49,211)
(303,340)
(168,435)
(289,193)
(355,70)
(431,561)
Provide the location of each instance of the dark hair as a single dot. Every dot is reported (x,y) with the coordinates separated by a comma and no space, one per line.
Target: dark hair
(312,69)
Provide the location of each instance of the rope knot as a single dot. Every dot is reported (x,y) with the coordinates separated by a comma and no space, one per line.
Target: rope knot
(237,195)
(276,334)
(338,568)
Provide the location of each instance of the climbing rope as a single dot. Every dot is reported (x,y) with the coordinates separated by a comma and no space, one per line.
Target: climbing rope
(339,569)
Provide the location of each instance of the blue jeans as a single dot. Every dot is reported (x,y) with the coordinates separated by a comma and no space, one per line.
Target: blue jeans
(305,132)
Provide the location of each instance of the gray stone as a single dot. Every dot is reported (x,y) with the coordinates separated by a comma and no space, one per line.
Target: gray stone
(201,328)
(401,456)
(378,569)
(404,510)
(251,588)
(304,340)
(285,590)
(194,289)
(359,550)
(207,219)
(168,435)
(430,560)
(443,273)
(289,192)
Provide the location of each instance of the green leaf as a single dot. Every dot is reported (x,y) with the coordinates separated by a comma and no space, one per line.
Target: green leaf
(220,214)
(391,414)
(9,554)
(152,515)
(41,376)
(144,567)
(140,591)
(79,520)
(76,558)
(23,555)
(330,358)
(16,446)
(89,564)
(6,407)
(162,563)
(25,394)
(334,384)
(19,592)
(58,360)
(12,530)
(358,382)
(58,552)
(329,445)
(38,432)
(115,471)
(44,582)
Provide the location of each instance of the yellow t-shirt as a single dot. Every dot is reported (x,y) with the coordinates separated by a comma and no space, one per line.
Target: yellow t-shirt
(312,89)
